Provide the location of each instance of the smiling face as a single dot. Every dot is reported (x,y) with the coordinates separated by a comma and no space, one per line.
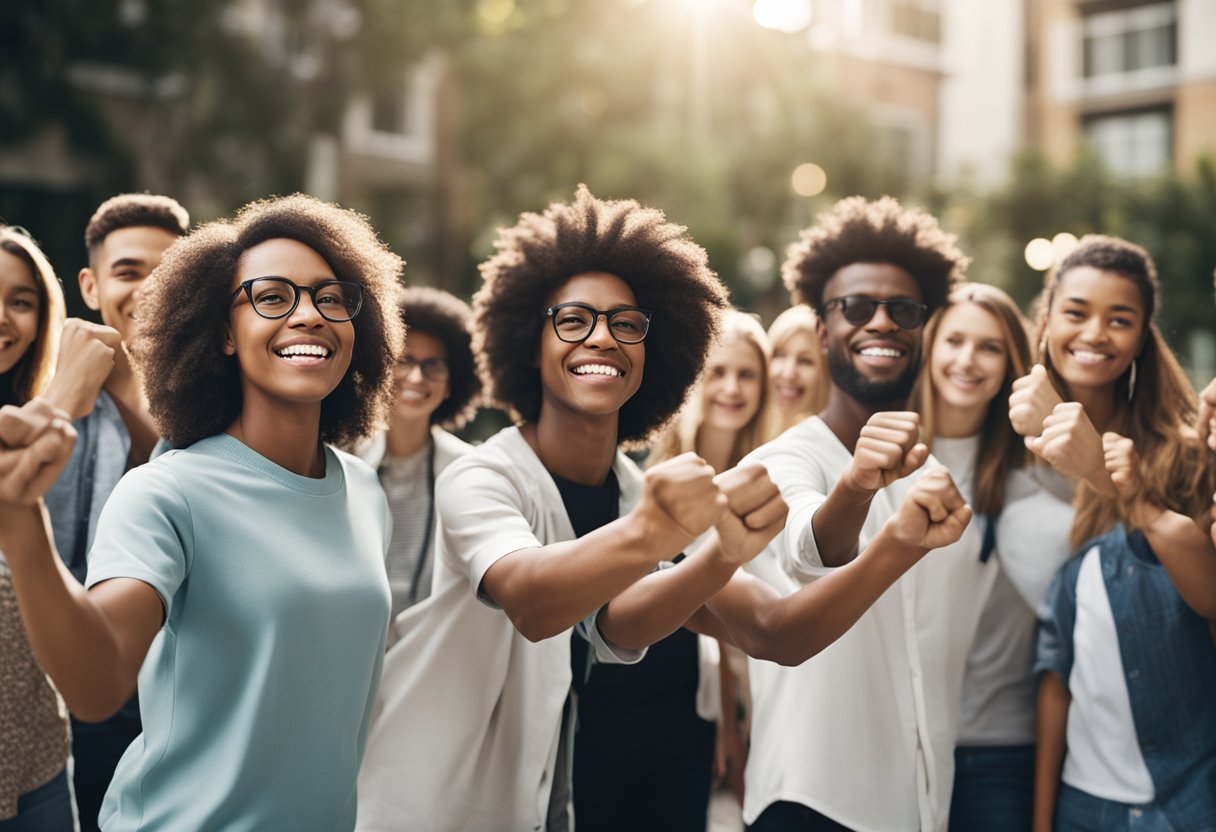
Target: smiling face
(599,375)
(1095,327)
(20,307)
(121,263)
(793,371)
(876,362)
(417,396)
(968,358)
(297,359)
(731,385)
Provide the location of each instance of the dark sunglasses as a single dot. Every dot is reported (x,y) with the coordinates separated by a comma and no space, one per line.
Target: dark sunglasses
(859,309)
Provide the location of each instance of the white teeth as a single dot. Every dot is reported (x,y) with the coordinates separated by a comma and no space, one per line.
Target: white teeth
(883,352)
(596,369)
(303,350)
(412,395)
(1092,357)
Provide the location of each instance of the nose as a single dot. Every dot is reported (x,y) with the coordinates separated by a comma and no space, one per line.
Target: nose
(413,373)
(783,369)
(306,312)
(881,322)
(1094,330)
(731,383)
(601,336)
(966,355)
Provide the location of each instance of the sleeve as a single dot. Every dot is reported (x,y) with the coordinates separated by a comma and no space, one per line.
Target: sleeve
(804,488)
(1032,536)
(145,532)
(481,519)
(601,650)
(1057,614)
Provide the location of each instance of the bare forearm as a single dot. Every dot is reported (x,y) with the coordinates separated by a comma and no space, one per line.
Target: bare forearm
(70,636)
(662,602)
(838,523)
(548,590)
(791,629)
(1051,724)
(1189,557)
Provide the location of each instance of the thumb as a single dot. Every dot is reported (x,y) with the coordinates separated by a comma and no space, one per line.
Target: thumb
(1038,372)
(915,458)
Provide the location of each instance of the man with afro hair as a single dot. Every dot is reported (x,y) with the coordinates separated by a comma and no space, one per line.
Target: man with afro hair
(125,240)
(863,736)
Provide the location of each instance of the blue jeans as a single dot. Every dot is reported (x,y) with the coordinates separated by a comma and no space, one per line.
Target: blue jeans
(47,808)
(1077,811)
(993,788)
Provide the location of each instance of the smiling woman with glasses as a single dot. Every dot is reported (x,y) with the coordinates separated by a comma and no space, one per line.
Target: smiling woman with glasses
(435,390)
(248,561)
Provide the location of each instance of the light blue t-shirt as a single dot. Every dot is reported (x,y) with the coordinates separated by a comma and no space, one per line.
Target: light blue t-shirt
(256,693)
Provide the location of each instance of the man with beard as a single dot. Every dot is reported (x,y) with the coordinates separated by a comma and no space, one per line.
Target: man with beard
(861,736)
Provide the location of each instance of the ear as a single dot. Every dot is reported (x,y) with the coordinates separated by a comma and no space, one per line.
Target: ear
(821,332)
(229,345)
(88,288)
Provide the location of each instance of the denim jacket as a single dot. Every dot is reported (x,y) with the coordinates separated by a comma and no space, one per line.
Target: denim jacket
(1169,664)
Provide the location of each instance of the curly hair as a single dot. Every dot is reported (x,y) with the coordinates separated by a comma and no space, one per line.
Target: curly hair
(856,230)
(33,371)
(668,273)
(193,388)
(132,211)
(446,317)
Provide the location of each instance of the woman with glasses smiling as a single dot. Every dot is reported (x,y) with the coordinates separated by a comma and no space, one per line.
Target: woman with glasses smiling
(435,385)
(239,576)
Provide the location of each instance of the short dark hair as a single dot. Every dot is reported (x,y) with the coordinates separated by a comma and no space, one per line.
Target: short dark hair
(856,230)
(446,317)
(1113,254)
(668,273)
(194,389)
(134,211)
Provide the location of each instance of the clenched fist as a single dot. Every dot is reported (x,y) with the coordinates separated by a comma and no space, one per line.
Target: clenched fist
(932,515)
(86,357)
(755,512)
(36,442)
(679,502)
(1070,443)
(1123,464)
(888,449)
(1032,401)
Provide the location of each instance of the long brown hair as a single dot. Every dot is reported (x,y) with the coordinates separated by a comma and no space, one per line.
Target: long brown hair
(1158,412)
(681,435)
(799,318)
(31,374)
(1000,446)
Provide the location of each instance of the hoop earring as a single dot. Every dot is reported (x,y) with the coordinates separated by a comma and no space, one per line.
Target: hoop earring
(1131,382)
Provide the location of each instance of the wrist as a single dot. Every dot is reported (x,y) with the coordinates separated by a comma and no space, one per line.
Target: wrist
(19,522)
(1143,515)
(888,551)
(853,491)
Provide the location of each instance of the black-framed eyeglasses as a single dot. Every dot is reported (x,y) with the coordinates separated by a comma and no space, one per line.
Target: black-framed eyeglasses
(435,369)
(277,297)
(574,322)
(905,313)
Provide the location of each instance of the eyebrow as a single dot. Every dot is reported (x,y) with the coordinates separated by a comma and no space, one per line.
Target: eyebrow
(33,290)
(1116,308)
(126,261)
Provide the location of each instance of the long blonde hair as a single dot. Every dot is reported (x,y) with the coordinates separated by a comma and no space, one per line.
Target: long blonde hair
(32,373)
(1000,446)
(799,318)
(681,435)
(1157,411)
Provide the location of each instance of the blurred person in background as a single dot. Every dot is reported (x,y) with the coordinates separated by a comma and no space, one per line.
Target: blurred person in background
(125,238)
(797,375)
(435,387)
(975,347)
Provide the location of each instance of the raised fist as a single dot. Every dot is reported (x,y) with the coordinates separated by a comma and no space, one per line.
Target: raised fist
(888,449)
(679,502)
(86,357)
(1032,400)
(35,444)
(755,512)
(1070,443)
(932,515)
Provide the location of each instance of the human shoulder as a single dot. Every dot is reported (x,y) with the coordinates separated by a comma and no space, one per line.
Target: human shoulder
(448,448)
(506,455)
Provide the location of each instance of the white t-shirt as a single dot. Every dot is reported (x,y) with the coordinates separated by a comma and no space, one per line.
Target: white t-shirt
(469,718)
(1104,757)
(864,732)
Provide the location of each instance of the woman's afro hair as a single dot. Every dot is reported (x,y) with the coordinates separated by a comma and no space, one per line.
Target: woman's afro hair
(193,388)
(446,317)
(856,230)
(667,272)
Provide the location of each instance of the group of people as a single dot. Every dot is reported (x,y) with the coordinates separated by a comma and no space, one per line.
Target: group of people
(245,549)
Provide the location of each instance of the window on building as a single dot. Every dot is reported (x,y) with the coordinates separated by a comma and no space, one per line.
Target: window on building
(915,19)
(1132,144)
(1132,39)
